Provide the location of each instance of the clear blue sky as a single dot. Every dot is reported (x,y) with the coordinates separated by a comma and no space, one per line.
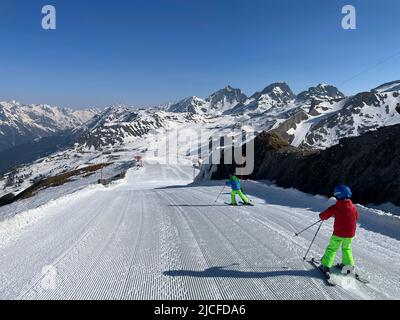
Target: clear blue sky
(146,52)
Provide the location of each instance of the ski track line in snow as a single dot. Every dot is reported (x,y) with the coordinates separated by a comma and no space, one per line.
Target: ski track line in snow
(289,261)
(215,286)
(261,243)
(97,262)
(231,289)
(82,240)
(235,252)
(133,280)
(144,280)
(271,226)
(35,260)
(102,278)
(126,291)
(325,235)
(338,290)
(193,258)
(168,255)
(115,272)
(12,227)
(107,278)
(246,214)
(190,256)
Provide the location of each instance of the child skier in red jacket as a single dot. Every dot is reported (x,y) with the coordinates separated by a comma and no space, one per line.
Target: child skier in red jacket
(346,217)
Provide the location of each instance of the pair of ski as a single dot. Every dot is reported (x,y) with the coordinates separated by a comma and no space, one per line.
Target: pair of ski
(240,204)
(329,281)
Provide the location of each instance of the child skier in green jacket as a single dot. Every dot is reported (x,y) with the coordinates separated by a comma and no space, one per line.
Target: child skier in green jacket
(234,183)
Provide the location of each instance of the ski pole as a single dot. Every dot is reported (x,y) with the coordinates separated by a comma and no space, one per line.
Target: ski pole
(220,194)
(313,240)
(299,233)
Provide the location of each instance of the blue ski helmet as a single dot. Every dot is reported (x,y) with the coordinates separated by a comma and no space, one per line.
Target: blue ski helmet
(342,192)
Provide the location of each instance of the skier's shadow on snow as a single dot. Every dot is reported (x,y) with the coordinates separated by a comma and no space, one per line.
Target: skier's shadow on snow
(223,272)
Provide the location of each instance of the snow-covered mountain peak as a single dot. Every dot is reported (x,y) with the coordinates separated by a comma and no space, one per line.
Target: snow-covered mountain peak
(278,91)
(225,99)
(321,92)
(112,115)
(15,109)
(21,123)
(393,86)
(275,96)
(352,116)
(189,105)
(114,112)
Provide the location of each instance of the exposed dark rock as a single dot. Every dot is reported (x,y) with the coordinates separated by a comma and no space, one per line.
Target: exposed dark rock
(110,180)
(369,98)
(7,199)
(313,111)
(291,123)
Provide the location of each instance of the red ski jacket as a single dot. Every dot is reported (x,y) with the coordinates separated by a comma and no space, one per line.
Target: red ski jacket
(346,217)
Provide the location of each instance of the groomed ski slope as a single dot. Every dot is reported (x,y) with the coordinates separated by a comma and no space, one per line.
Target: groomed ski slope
(154,236)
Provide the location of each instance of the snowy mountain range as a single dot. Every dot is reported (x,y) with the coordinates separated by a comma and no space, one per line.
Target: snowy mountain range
(316,118)
(393,86)
(226,108)
(22,123)
(274,98)
(217,103)
(322,92)
(321,123)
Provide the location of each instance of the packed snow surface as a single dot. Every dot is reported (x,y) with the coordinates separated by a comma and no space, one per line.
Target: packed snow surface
(155,235)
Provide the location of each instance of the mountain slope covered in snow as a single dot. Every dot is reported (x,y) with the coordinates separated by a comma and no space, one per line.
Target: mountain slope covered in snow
(322,123)
(314,119)
(23,124)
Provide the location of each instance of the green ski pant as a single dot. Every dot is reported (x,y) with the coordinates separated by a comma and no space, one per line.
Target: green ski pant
(241,195)
(334,244)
